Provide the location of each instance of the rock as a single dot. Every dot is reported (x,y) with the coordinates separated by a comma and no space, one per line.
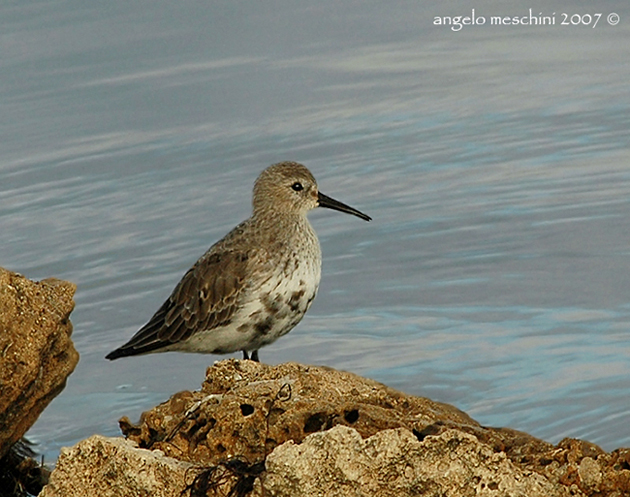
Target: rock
(113,467)
(395,463)
(590,474)
(585,466)
(36,353)
(293,429)
(247,409)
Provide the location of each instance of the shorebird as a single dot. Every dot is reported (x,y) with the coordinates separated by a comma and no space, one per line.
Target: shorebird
(252,286)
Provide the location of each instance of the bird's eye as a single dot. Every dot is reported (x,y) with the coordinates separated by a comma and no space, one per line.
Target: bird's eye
(297,186)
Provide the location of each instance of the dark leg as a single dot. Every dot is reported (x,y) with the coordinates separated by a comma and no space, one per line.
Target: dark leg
(255,356)
(245,355)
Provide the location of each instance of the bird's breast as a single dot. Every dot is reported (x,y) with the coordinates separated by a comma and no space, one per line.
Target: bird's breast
(278,302)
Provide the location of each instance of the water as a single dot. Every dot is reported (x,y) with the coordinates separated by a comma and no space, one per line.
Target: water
(495,162)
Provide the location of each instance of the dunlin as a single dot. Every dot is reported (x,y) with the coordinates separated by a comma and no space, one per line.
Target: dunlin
(254,285)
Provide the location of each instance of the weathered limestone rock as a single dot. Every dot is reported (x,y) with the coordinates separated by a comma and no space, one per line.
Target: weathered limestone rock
(337,462)
(113,467)
(395,463)
(246,409)
(307,430)
(585,466)
(36,353)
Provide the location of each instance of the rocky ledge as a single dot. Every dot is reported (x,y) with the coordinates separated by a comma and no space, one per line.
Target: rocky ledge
(36,358)
(303,430)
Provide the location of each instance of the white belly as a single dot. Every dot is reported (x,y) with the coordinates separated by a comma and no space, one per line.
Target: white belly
(269,311)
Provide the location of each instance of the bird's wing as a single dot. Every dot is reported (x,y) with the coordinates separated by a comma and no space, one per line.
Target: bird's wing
(205,298)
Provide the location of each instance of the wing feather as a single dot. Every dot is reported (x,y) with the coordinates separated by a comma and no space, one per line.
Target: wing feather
(206,297)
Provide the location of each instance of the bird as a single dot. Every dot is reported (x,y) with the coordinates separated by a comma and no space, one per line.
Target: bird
(252,286)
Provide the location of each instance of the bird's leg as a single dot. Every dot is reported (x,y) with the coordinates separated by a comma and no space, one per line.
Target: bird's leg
(253,357)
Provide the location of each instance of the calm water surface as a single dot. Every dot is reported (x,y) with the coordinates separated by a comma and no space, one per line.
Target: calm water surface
(495,162)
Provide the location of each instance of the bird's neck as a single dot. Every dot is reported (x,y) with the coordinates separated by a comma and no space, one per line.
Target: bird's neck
(290,227)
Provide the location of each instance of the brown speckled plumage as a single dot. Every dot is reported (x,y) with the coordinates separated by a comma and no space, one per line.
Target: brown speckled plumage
(252,286)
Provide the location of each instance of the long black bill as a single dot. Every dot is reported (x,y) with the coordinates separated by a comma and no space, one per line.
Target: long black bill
(331,203)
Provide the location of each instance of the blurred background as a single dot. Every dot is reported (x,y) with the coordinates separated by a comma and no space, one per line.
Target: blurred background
(495,161)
